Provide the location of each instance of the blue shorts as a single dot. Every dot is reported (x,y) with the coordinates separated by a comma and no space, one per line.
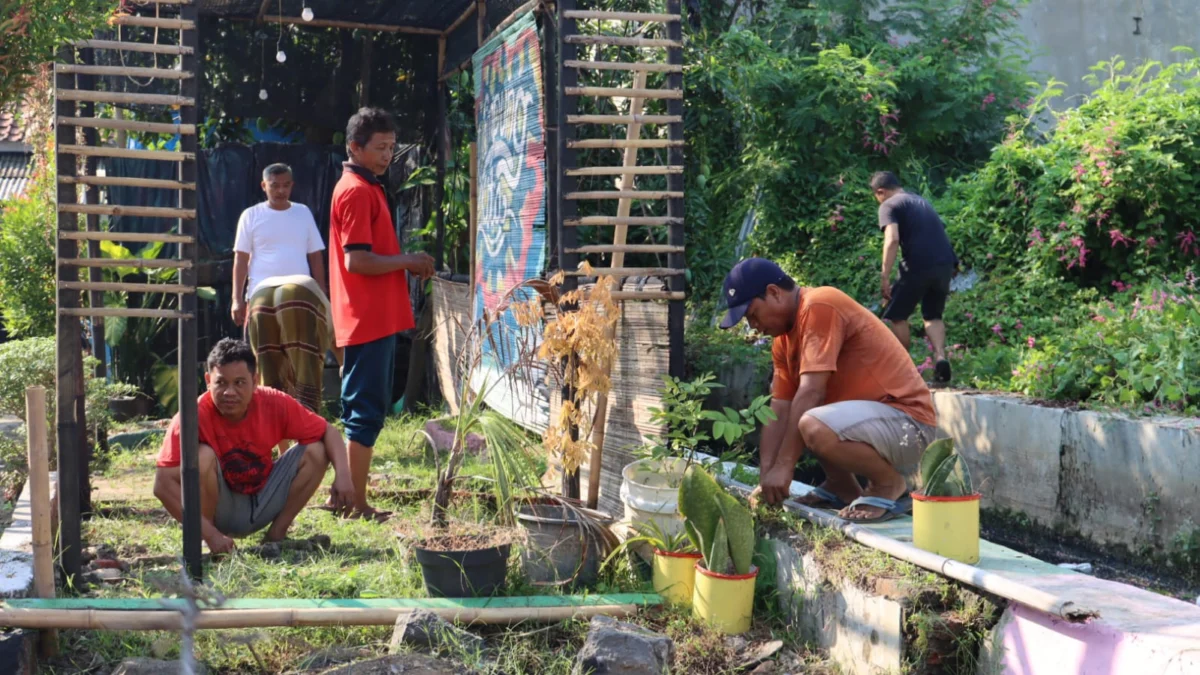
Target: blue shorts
(367,376)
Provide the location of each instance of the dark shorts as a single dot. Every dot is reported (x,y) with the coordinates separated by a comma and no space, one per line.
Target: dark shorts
(367,374)
(929,287)
(240,514)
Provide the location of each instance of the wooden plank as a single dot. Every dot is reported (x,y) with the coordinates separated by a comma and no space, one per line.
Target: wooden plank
(164,155)
(624,92)
(38,453)
(626,272)
(128,236)
(623,194)
(118,210)
(614,41)
(625,170)
(127,182)
(623,119)
(610,220)
(129,125)
(624,65)
(160,73)
(648,295)
(124,46)
(122,287)
(613,143)
(151,22)
(154,263)
(627,248)
(132,313)
(122,97)
(352,25)
(641,17)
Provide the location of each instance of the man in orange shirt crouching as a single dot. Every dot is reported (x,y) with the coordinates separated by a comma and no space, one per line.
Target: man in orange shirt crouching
(843,387)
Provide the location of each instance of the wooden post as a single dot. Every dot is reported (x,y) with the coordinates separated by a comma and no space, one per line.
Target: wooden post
(187,357)
(550,67)
(91,195)
(480,22)
(443,149)
(39,496)
(675,233)
(69,353)
(568,238)
(620,234)
(473,222)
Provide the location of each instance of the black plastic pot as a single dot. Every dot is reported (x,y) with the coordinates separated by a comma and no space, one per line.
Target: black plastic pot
(125,408)
(464,574)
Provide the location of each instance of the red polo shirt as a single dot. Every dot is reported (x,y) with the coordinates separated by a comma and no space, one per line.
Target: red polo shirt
(365,307)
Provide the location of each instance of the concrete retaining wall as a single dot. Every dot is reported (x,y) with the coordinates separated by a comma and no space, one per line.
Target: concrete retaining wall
(1111,478)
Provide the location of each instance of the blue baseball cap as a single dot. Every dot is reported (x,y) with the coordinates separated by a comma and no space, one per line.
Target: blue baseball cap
(745,282)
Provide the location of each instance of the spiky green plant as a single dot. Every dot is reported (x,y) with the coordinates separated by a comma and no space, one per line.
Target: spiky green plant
(944,473)
(720,527)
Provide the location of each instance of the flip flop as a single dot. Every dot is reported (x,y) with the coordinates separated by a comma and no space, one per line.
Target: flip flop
(828,500)
(891,509)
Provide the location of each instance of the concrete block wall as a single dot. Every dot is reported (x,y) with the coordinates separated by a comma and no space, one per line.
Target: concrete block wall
(1111,478)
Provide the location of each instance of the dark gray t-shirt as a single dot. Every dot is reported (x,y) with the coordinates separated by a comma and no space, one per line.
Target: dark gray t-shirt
(923,240)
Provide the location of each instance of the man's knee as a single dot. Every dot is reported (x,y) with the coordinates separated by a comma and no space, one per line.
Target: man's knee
(207,460)
(814,432)
(315,457)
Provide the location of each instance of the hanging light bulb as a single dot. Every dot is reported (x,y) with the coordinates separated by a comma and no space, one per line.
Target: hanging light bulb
(280,56)
(262,94)
(306,14)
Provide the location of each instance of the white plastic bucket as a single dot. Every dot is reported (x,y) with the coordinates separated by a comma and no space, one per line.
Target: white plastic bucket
(650,492)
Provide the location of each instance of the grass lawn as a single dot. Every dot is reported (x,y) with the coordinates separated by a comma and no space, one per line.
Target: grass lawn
(363,560)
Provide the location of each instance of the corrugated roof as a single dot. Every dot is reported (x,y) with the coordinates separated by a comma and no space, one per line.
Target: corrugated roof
(15,168)
(11,128)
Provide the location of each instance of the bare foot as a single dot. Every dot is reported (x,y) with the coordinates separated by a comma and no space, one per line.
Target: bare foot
(864,512)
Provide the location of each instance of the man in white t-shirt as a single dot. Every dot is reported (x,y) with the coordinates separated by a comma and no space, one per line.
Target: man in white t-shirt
(275,238)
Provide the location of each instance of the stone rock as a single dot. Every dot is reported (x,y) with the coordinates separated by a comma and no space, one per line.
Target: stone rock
(405,664)
(104,575)
(331,657)
(144,666)
(103,551)
(109,563)
(423,628)
(618,648)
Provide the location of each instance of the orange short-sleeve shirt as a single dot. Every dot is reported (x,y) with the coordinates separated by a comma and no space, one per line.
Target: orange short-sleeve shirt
(833,333)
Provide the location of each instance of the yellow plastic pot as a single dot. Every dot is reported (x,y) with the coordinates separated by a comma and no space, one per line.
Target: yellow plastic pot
(724,601)
(947,526)
(675,576)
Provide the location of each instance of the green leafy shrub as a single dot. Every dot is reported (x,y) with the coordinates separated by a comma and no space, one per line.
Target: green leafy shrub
(28,228)
(33,30)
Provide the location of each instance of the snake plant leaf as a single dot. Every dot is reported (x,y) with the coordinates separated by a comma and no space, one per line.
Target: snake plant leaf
(932,458)
(698,506)
(718,559)
(739,531)
(937,485)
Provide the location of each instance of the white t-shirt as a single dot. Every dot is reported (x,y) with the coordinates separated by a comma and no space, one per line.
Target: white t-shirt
(278,242)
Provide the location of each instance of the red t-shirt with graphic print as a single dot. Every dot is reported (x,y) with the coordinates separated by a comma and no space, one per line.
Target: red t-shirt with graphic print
(244,449)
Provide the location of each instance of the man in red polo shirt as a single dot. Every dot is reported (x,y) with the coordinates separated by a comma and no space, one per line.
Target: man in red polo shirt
(368,290)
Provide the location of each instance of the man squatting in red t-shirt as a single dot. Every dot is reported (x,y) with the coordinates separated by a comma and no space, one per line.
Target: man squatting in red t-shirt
(368,291)
(242,489)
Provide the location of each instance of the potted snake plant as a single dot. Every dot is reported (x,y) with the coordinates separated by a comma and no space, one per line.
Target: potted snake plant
(946,509)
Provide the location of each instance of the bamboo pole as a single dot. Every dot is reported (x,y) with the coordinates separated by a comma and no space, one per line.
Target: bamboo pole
(462,18)
(128,182)
(166,619)
(140,263)
(624,119)
(119,210)
(89,151)
(643,17)
(147,47)
(623,195)
(609,220)
(151,22)
(648,295)
(614,41)
(127,236)
(121,97)
(594,143)
(600,422)
(624,65)
(473,215)
(624,171)
(162,73)
(129,125)
(125,311)
(626,248)
(626,272)
(120,287)
(624,92)
(39,497)
(350,25)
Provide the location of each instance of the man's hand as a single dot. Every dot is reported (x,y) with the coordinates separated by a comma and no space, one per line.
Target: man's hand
(218,543)
(776,484)
(421,265)
(239,313)
(341,493)
(885,289)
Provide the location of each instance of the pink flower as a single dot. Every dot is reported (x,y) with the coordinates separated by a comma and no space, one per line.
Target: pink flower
(1120,286)
(1099,319)
(926,365)
(1020,325)
(1080,172)
(945,41)
(867,96)
(1151,242)
(1030,342)
(1119,237)
(1062,225)
(998,331)
(987,100)
(1187,243)
(970,316)
(1035,237)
